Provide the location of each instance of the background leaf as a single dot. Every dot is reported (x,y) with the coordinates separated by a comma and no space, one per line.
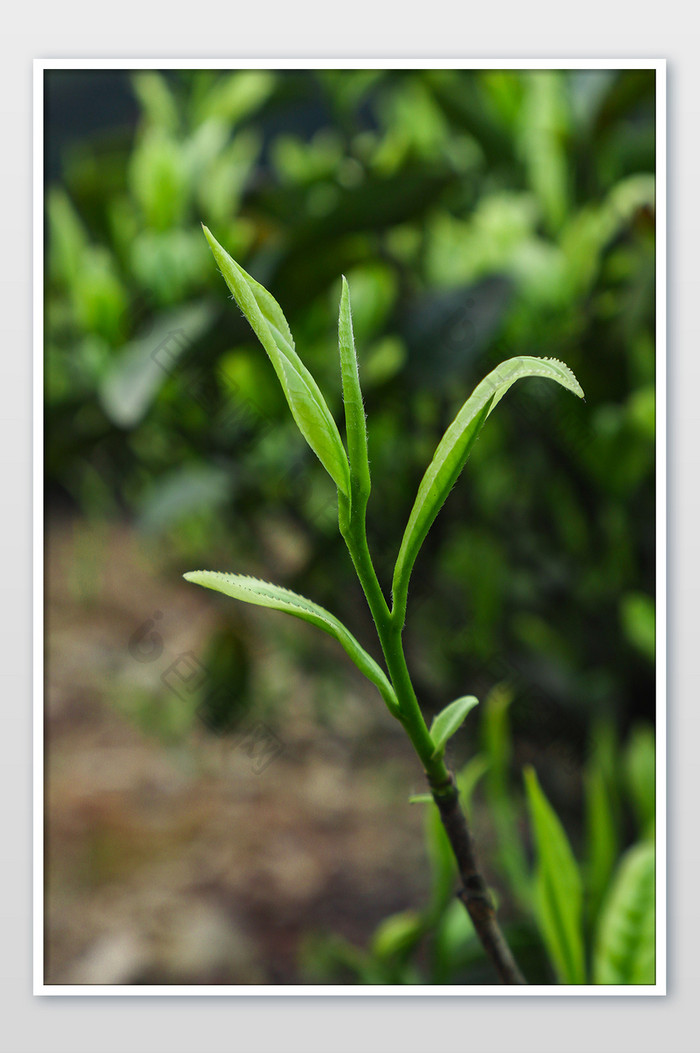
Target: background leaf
(602,840)
(500,798)
(143,366)
(558,894)
(625,945)
(467,778)
(638,615)
(639,774)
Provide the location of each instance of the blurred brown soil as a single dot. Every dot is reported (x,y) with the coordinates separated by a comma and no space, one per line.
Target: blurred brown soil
(169,860)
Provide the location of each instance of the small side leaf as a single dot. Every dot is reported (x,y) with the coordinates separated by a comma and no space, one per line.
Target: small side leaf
(558,895)
(263,594)
(355,421)
(308,406)
(466,779)
(625,944)
(449,721)
(453,451)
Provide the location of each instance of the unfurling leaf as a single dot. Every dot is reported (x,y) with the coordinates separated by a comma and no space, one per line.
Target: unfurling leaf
(450,720)
(263,594)
(454,449)
(308,406)
(355,421)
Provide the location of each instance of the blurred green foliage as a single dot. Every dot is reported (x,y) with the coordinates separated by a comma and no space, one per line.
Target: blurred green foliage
(570,918)
(477,215)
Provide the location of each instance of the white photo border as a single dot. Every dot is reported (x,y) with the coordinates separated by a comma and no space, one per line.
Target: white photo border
(41,66)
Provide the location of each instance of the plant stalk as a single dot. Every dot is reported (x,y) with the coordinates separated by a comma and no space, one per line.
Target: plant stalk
(474,893)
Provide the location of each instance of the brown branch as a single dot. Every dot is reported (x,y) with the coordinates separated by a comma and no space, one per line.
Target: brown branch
(474,894)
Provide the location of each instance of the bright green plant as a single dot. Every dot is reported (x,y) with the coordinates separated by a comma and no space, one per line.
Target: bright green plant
(432,192)
(583,922)
(621,931)
(349,469)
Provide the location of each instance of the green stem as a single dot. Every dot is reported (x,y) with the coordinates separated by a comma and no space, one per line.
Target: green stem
(474,893)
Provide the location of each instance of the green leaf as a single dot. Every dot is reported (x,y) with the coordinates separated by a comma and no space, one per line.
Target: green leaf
(442,862)
(558,896)
(625,945)
(497,745)
(137,374)
(189,490)
(638,616)
(449,721)
(639,773)
(263,594)
(67,239)
(453,451)
(308,406)
(155,98)
(601,837)
(355,421)
(468,778)
(454,943)
(397,935)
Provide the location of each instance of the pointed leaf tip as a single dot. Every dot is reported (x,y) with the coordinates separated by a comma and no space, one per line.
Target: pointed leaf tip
(264,594)
(308,406)
(355,421)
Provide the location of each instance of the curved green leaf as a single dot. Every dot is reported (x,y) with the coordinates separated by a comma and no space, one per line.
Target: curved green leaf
(558,895)
(625,944)
(308,406)
(454,449)
(449,721)
(355,420)
(263,594)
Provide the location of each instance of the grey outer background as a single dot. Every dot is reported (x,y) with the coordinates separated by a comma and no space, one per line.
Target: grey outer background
(370,28)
